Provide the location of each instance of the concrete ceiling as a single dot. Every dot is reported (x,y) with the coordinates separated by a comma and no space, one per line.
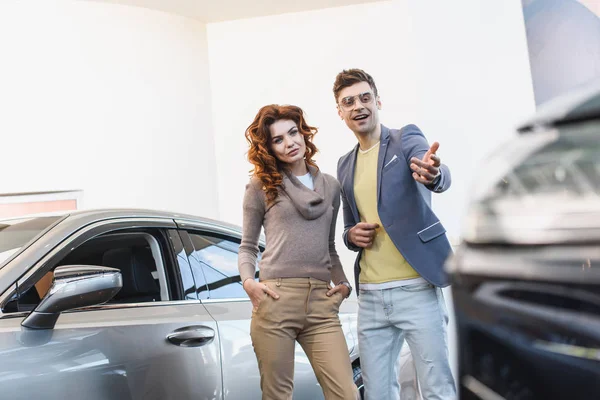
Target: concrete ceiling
(224,10)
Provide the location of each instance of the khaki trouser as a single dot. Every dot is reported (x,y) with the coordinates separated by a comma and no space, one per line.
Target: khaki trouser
(305,314)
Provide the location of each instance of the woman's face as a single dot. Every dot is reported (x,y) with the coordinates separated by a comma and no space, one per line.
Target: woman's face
(287,142)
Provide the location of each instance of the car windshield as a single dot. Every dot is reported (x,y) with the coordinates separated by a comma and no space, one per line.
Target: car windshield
(16,233)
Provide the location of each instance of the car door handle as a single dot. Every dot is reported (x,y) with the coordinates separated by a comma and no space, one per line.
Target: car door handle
(192,336)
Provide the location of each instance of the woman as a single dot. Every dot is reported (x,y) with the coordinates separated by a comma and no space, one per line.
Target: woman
(297,205)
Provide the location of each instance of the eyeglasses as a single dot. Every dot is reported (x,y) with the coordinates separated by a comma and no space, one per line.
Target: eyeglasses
(348,102)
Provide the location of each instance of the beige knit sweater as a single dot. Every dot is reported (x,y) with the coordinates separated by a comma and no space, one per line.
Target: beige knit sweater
(299,230)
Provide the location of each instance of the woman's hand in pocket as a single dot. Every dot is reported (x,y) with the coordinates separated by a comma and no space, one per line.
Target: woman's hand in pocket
(341,289)
(256,291)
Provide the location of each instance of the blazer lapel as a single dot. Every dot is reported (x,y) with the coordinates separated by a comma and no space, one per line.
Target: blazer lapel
(383,146)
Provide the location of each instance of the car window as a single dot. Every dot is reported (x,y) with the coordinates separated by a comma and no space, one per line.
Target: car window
(217,256)
(140,256)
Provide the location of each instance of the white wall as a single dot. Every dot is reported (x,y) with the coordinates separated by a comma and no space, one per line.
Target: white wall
(459,70)
(110,99)
(116,100)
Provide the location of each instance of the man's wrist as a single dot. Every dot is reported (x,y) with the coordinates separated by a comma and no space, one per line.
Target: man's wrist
(349,241)
(244,281)
(346,238)
(436,180)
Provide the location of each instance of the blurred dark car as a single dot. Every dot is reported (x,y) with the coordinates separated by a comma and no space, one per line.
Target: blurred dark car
(526,279)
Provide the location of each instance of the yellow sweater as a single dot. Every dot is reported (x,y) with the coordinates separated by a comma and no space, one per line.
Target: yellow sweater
(382,262)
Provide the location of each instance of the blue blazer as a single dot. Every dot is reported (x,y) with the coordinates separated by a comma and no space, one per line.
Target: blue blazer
(403,204)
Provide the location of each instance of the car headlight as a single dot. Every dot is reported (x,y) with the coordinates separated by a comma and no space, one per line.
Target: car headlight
(544,188)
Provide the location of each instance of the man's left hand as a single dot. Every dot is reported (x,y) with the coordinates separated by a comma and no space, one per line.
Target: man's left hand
(425,171)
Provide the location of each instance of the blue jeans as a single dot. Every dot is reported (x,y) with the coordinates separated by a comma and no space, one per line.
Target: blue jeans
(386,317)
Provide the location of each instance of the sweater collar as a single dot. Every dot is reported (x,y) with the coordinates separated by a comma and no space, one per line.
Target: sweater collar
(310,203)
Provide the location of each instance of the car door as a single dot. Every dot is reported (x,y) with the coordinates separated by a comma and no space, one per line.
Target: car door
(150,344)
(213,256)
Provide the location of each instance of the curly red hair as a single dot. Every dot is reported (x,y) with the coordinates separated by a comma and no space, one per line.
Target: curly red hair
(267,167)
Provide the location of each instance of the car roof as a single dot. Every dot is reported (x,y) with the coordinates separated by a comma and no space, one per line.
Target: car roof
(90,216)
(579,105)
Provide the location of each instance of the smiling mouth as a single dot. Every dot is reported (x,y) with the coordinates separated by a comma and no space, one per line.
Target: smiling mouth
(360,117)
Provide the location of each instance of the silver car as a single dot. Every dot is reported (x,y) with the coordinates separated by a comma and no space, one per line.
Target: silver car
(131,304)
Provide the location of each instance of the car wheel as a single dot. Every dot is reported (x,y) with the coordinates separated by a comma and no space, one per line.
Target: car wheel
(358,381)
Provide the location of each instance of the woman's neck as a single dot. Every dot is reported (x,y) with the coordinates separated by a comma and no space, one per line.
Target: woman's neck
(298,168)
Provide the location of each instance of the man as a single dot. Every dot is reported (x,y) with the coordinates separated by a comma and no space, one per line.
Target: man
(387,180)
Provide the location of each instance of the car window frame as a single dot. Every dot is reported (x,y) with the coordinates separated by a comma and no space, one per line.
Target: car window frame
(79,237)
(178,245)
(187,228)
(212,233)
(189,250)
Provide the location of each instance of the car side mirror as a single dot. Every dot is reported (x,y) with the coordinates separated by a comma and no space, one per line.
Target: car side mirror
(74,286)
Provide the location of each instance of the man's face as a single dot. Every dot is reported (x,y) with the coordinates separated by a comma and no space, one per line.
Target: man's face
(359,108)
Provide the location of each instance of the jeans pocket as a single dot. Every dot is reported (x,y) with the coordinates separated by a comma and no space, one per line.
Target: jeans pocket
(417,287)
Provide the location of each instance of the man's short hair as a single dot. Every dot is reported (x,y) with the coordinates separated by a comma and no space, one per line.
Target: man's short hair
(349,77)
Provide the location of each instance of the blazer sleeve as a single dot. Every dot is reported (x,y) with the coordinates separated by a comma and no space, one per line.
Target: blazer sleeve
(349,220)
(414,144)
